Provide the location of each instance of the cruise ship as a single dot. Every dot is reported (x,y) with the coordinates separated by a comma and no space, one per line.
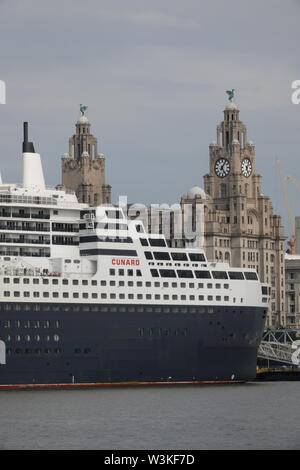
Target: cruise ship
(89,298)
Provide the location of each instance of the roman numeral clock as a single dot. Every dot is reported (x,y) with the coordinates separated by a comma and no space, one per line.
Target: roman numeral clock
(222,167)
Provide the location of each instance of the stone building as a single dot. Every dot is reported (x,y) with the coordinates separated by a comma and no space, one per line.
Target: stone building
(83,168)
(239,224)
(292,294)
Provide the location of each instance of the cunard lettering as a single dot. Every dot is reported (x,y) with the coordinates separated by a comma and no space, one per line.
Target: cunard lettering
(125,262)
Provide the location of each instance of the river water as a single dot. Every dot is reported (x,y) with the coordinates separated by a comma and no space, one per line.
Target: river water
(258,415)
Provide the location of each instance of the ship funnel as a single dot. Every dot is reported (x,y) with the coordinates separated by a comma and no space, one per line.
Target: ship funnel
(33,176)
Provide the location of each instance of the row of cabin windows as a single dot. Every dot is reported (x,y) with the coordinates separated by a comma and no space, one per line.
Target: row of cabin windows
(29,338)
(103,295)
(185,273)
(162,332)
(46,281)
(39,351)
(29,324)
(165,256)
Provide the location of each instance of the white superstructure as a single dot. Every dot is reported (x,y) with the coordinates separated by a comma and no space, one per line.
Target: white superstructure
(54,249)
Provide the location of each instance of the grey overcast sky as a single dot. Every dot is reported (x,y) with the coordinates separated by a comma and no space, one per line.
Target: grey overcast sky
(153,75)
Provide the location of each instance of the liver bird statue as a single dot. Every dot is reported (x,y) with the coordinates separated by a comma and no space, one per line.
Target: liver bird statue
(230,94)
(83,109)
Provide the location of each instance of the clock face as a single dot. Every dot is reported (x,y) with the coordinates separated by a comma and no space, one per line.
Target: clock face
(246,167)
(222,167)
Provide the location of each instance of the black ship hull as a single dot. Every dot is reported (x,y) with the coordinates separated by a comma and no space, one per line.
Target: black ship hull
(107,344)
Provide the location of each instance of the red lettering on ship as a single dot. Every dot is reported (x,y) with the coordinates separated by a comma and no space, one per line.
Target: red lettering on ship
(125,262)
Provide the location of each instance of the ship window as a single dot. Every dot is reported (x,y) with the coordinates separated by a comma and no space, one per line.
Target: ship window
(218,286)
(218,297)
(94,283)
(75,282)
(234,275)
(75,295)
(226,286)
(121,272)
(36,294)
(161,255)
(36,281)
(112,296)
(197,257)
(45,294)
(138,272)
(121,283)
(130,272)
(191,285)
(103,283)
(250,276)
(157,242)
(6,293)
(167,273)
(25,280)
(112,283)
(209,297)
(192,297)
(140,296)
(54,281)
(166,297)
(179,257)
(6,280)
(200,285)
(203,274)
(139,284)
(144,241)
(148,296)
(219,274)
(209,286)
(84,282)
(226,298)
(55,294)
(185,273)
(130,296)
(65,295)
(154,272)
(148,284)
(94,296)
(148,255)
(45,281)
(26,294)
(201,297)
(16,280)
(174,284)
(112,272)
(183,297)
(174,297)
(17,294)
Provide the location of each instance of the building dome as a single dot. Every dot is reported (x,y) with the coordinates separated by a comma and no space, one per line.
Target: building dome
(196,191)
(231,106)
(83,120)
(84,154)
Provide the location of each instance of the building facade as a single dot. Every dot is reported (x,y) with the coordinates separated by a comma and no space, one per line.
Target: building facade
(83,168)
(239,224)
(292,294)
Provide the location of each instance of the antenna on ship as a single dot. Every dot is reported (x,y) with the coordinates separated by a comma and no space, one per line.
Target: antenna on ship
(27,146)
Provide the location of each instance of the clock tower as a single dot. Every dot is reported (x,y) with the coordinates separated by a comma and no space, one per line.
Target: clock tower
(232,160)
(240,227)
